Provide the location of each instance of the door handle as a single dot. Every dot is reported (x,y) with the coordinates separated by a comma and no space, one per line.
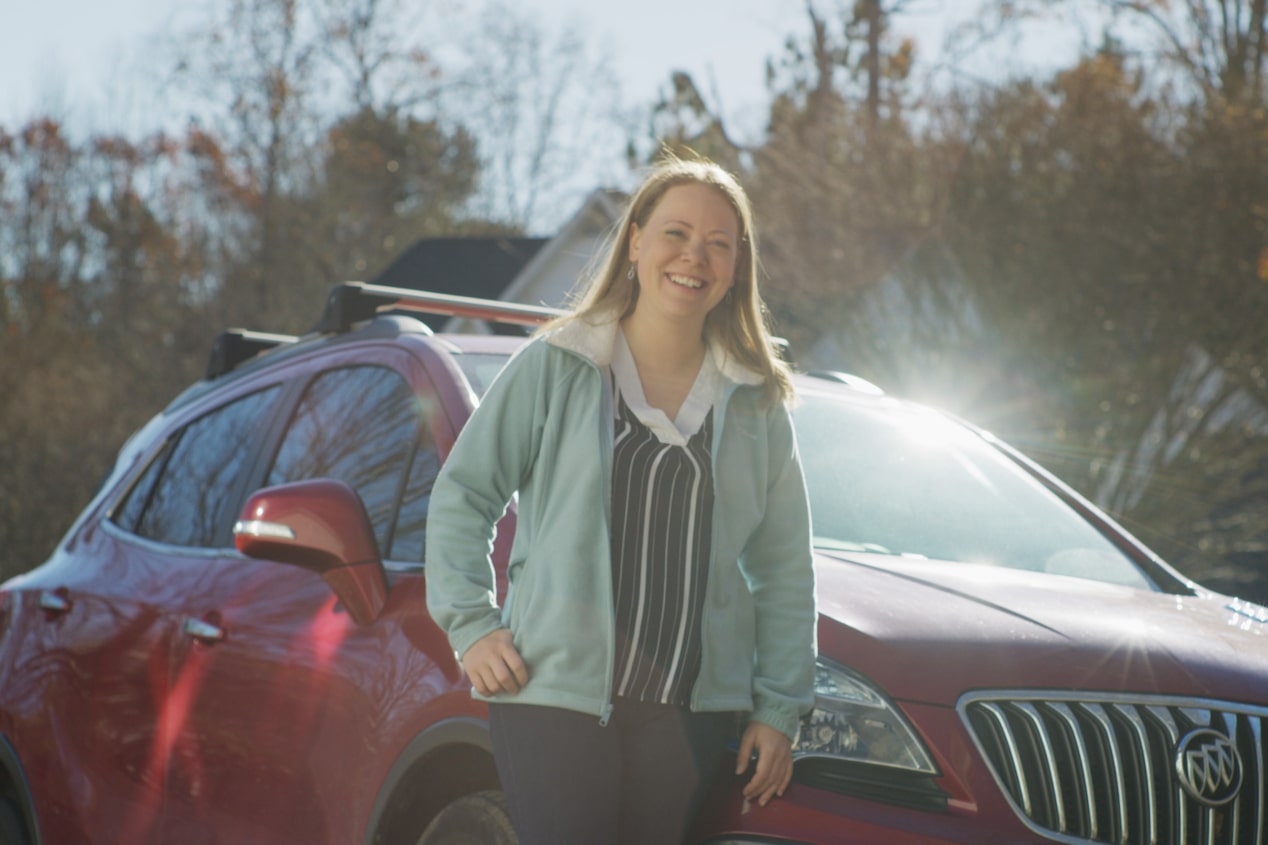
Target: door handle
(55,602)
(204,631)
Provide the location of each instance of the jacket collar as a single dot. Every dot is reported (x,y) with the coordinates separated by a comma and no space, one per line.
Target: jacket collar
(595,340)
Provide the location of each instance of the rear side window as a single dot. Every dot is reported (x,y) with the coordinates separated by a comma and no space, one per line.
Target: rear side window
(192,487)
(364,426)
(128,514)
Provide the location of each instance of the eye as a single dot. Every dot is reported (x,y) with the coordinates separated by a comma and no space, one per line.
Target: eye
(720,244)
(675,233)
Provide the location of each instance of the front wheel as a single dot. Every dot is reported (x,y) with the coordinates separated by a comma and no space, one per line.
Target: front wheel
(12,829)
(480,818)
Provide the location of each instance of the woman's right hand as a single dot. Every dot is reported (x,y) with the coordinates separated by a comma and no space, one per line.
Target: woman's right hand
(494,666)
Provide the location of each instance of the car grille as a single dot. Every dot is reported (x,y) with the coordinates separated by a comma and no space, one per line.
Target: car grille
(1126,770)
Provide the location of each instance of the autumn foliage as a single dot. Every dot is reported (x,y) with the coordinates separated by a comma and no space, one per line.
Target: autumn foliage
(1074,259)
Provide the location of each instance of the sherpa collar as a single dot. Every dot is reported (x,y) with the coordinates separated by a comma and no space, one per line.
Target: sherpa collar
(596,340)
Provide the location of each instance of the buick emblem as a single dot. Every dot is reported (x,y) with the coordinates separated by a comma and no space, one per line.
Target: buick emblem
(1209,767)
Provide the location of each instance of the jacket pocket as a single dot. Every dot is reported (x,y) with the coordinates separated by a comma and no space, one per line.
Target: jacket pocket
(519,598)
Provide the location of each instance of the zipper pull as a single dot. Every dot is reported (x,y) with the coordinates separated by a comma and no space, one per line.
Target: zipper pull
(605,715)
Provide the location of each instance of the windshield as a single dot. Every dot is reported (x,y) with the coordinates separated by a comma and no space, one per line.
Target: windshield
(892,479)
(480,368)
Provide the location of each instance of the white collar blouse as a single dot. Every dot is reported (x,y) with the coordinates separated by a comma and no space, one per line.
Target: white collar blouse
(705,392)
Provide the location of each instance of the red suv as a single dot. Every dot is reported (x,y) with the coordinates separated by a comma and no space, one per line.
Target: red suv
(232,645)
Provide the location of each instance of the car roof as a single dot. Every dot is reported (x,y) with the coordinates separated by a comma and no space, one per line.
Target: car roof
(492,344)
(356,311)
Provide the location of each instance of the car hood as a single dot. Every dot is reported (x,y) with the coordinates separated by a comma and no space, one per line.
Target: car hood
(930,630)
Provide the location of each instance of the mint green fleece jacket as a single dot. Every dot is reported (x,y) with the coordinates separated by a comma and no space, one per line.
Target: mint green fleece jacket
(544,431)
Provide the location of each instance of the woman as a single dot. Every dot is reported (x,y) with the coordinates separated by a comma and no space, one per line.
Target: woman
(660,580)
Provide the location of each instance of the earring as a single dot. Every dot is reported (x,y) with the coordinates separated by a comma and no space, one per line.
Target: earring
(630,275)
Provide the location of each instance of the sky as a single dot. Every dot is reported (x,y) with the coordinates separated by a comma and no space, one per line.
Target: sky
(90,63)
(78,55)
(77,58)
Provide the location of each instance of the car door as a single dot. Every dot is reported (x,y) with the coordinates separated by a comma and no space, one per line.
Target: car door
(285,690)
(88,694)
(107,632)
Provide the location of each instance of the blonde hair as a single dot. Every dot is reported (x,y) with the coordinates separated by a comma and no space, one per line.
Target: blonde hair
(738,323)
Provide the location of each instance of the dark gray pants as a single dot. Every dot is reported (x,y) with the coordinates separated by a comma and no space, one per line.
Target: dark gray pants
(639,780)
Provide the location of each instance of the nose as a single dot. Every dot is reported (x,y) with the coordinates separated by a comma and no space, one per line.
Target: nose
(695,250)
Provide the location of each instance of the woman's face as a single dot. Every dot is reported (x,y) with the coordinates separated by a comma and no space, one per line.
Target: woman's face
(686,253)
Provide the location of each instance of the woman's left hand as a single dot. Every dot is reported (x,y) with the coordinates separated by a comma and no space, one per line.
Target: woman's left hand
(774,762)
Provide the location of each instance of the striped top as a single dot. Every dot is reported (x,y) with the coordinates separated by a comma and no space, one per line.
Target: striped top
(662,509)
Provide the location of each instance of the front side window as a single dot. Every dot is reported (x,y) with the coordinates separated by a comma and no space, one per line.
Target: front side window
(365,427)
(184,496)
(410,536)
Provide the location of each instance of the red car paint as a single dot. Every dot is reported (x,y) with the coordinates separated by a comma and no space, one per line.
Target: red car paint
(294,690)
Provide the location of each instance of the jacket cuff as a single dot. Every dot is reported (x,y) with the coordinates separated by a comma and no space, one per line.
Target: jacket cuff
(782,718)
(472,632)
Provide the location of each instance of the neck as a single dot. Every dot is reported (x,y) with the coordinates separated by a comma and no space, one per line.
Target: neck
(663,347)
(668,357)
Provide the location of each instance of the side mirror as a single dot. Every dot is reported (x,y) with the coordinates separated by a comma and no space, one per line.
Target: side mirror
(319,525)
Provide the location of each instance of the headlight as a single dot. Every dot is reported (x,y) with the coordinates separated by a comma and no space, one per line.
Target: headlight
(853,720)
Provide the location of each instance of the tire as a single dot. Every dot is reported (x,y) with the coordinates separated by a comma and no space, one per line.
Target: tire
(12,828)
(480,818)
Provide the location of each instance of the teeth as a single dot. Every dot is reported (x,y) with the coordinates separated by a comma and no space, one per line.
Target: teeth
(686,281)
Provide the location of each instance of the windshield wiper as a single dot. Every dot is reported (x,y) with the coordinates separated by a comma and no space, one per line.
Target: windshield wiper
(832,544)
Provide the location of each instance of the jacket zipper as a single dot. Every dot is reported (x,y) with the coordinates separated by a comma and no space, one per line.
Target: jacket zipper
(711,580)
(605,455)
(606,416)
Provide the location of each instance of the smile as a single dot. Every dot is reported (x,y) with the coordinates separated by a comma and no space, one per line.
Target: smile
(686,281)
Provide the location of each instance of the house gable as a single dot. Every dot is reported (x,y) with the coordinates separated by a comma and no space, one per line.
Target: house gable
(558,269)
(478,266)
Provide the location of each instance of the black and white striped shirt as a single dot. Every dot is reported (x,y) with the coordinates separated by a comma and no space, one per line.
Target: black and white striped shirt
(662,509)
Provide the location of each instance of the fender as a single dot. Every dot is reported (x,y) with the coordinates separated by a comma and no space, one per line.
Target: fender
(463,730)
(12,767)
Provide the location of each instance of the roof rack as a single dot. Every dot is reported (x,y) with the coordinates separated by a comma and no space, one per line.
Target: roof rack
(351,302)
(233,346)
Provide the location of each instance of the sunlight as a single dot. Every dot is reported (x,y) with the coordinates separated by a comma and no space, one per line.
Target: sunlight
(1132,650)
(325,633)
(930,430)
(170,733)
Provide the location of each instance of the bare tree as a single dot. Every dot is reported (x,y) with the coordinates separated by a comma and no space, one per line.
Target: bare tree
(379,49)
(1222,44)
(1219,46)
(545,109)
(251,65)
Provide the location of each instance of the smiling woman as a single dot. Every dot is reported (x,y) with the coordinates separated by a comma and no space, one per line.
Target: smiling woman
(602,668)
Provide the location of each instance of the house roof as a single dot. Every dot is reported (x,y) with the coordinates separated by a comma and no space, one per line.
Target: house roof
(554,271)
(475,266)
(601,209)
